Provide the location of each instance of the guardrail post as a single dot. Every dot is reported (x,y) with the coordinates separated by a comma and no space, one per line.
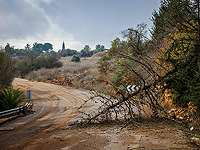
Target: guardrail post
(28,94)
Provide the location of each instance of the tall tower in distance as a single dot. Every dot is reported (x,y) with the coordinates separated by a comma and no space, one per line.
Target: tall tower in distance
(63,46)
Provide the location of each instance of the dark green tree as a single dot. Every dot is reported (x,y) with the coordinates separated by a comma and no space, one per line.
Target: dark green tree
(178,22)
(63,46)
(86,52)
(9,49)
(27,47)
(47,47)
(87,48)
(38,47)
(100,48)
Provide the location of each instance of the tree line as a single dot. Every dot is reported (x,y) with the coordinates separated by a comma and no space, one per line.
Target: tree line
(85,52)
(39,48)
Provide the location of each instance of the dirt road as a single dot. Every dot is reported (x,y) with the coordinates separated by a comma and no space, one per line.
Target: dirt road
(56,106)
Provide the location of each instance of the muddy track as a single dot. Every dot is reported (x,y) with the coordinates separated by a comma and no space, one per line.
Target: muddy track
(54,106)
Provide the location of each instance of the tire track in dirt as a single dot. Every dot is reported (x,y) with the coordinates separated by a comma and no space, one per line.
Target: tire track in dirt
(54,105)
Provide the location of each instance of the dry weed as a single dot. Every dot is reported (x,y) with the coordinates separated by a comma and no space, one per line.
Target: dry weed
(68,69)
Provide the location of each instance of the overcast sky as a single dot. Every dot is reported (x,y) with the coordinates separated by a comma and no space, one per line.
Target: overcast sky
(76,22)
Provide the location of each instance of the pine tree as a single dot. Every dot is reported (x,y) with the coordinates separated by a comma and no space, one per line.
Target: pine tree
(63,46)
(176,28)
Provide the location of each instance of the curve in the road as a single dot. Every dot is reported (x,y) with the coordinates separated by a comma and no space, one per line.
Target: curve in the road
(54,105)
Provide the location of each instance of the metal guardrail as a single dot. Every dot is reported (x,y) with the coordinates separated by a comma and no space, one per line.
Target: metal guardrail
(20,109)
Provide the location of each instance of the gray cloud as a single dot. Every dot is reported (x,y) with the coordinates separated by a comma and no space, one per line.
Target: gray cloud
(99,21)
(19,19)
(77,22)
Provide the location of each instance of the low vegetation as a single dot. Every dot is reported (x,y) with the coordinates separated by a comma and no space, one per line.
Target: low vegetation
(10,98)
(75,58)
(67,52)
(26,65)
(6,70)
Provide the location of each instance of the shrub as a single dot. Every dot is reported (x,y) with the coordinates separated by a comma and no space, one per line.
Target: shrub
(6,69)
(103,64)
(28,65)
(10,98)
(75,58)
(86,53)
(67,52)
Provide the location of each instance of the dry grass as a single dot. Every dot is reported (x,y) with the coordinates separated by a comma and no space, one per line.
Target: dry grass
(90,80)
(67,70)
(43,74)
(84,74)
(77,67)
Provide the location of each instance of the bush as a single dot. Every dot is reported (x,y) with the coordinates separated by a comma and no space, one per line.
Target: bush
(75,58)
(28,65)
(10,98)
(67,52)
(6,70)
(86,53)
(103,64)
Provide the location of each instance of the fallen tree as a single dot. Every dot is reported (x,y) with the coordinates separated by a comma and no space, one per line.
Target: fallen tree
(152,65)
